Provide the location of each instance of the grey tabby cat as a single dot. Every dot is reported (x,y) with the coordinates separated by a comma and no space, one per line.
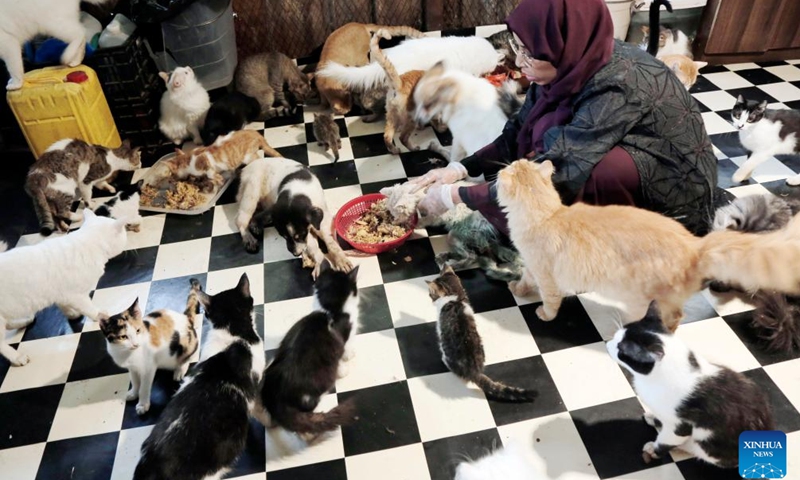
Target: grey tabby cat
(326,131)
(70,165)
(263,77)
(501,41)
(459,341)
(372,100)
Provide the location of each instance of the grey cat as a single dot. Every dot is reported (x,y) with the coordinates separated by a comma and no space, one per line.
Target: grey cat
(459,341)
(501,41)
(70,165)
(263,77)
(756,213)
(372,100)
(326,132)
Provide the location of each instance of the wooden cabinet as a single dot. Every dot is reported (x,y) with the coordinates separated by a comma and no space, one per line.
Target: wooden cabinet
(749,30)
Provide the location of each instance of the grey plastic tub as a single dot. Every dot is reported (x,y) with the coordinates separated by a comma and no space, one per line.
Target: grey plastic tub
(202,37)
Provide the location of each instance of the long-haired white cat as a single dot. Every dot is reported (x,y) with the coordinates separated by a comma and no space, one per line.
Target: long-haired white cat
(507,463)
(20,21)
(183,106)
(473,55)
(61,270)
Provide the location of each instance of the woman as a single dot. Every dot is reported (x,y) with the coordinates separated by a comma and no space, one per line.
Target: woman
(617,124)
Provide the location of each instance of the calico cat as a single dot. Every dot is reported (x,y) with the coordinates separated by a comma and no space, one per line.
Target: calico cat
(69,165)
(459,341)
(62,271)
(307,363)
(765,133)
(162,339)
(671,41)
(229,113)
(124,205)
(326,131)
(263,77)
(697,406)
(183,106)
(226,154)
(672,46)
(658,260)
(203,429)
(21,21)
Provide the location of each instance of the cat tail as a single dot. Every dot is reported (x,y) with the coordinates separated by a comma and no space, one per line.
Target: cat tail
(396,31)
(502,392)
(268,150)
(40,204)
(315,422)
(777,320)
(377,54)
(753,261)
(655,14)
(365,77)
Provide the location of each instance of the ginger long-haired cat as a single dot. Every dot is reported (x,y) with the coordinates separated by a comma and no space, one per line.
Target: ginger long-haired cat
(399,98)
(629,254)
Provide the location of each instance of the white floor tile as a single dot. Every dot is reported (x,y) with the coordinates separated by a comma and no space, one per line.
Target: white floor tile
(782,92)
(317,155)
(356,127)
(726,304)
(727,80)
(446,406)
(280,316)
(726,349)
(401,463)
(369,271)
(286,136)
(587,376)
(51,360)
(21,463)
(668,471)
(221,280)
(182,258)
(380,168)
(128,452)
(606,315)
(769,171)
(715,124)
(114,300)
(786,72)
(505,335)
(275,247)
(745,190)
(409,302)
(377,361)
(742,66)
(787,376)
(224,221)
(90,407)
(336,197)
(149,234)
(717,100)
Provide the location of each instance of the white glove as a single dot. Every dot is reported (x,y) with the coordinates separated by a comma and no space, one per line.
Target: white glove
(438,200)
(448,175)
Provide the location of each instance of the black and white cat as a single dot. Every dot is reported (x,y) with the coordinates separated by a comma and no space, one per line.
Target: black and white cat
(204,427)
(696,405)
(307,363)
(766,133)
(124,206)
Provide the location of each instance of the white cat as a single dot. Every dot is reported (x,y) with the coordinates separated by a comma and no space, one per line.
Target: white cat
(20,21)
(62,271)
(508,463)
(473,55)
(183,106)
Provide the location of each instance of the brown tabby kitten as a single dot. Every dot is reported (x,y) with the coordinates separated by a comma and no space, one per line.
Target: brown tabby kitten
(459,341)
(399,98)
(326,132)
(372,100)
(263,76)
(70,165)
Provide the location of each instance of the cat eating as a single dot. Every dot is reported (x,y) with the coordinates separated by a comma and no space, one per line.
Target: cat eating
(263,76)
(696,406)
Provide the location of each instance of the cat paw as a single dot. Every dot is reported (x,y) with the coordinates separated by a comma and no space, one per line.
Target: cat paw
(251,246)
(178,375)
(651,420)
(343,371)
(14,84)
(101,317)
(542,314)
(519,288)
(349,353)
(393,150)
(133,228)
(649,452)
(740,176)
(142,408)
(793,181)
(131,395)
(21,360)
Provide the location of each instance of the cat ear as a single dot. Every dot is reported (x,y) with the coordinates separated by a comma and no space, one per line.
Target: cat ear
(139,185)
(546,168)
(164,76)
(762,106)
(353,274)
(134,309)
(700,65)
(178,151)
(447,269)
(436,70)
(740,99)
(325,266)
(429,282)
(244,286)
(202,296)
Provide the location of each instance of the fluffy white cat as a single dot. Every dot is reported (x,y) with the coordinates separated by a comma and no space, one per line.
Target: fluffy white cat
(61,270)
(183,106)
(506,463)
(20,21)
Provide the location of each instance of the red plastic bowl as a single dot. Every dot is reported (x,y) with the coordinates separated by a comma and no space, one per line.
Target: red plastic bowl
(352,211)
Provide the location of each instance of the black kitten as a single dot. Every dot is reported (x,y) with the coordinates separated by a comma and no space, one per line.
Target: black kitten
(229,113)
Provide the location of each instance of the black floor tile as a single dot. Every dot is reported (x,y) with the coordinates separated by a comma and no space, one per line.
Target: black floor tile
(227,251)
(229,195)
(298,153)
(50,322)
(444,455)
(332,470)
(729,144)
(375,187)
(741,324)
(285,280)
(90,458)
(395,266)
(759,76)
(420,162)
(419,349)
(571,328)
(782,189)
(340,174)
(368,145)
(164,387)
(787,418)
(132,266)
(713,69)
(374,314)
(27,415)
(697,308)
(91,358)
(703,85)
(531,374)
(179,228)
(773,63)
(694,469)
(310,138)
(385,419)
(752,93)
(293,119)
(794,105)
(445,138)
(171,293)
(725,170)
(485,294)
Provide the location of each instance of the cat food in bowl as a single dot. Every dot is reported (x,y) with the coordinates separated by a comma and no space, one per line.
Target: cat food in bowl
(367,225)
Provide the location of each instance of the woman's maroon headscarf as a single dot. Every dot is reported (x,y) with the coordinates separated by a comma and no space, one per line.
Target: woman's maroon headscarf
(577,37)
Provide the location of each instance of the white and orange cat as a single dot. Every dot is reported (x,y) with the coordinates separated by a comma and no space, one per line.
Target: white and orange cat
(163,339)
(227,153)
(629,254)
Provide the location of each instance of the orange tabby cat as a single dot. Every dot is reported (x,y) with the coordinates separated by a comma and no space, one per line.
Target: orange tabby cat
(399,99)
(628,254)
(227,153)
(684,68)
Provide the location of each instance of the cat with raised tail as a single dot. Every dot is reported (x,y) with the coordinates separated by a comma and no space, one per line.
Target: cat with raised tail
(183,106)
(459,341)
(696,406)
(765,132)
(628,254)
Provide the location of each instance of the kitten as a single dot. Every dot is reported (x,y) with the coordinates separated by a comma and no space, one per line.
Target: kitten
(69,165)
(21,21)
(308,358)
(658,260)
(162,339)
(697,406)
(459,341)
(62,271)
(230,113)
(468,105)
(125,206)
(507,463)
(263,76)
(683,67)
(183,106)
(349,45)
(203,429)
(765,133)
(226,154)
(326,131)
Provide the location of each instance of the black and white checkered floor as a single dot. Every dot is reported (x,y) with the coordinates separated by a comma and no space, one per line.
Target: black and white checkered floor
(64,415)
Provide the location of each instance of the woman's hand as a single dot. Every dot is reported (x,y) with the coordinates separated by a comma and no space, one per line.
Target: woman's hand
(448,175)
(437,201)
